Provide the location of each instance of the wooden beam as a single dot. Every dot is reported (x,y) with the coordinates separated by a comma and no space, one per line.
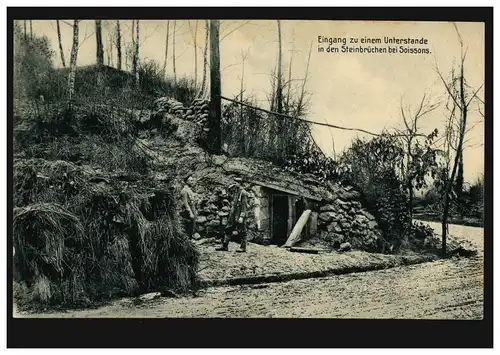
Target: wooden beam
(290,215)
(307,250)
(285,190)
(295,236)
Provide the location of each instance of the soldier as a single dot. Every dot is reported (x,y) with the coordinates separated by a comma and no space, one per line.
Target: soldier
(189,212)
(237,218)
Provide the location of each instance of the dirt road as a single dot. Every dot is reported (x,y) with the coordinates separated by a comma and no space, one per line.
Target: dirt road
(450,289)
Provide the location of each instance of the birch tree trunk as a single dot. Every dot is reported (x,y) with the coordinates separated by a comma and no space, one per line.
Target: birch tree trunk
(72,65)
(303,90)
(173,56)
(137,54)
(166,50)
(195,55)
(60,44)
(205,62)
(279,88)
(134,59)
(118,46)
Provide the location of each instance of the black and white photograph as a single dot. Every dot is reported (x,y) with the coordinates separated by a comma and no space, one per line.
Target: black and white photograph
(248,168)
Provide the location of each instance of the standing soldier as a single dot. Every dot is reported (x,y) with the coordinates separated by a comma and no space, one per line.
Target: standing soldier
(237,218)
(189,212)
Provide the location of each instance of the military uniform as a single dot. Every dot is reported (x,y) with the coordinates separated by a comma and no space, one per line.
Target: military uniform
(188,204)
(237,220)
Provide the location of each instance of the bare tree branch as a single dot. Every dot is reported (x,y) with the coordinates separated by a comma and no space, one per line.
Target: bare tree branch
(236,28)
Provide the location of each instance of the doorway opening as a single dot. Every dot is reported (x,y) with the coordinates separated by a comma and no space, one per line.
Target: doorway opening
(280,216)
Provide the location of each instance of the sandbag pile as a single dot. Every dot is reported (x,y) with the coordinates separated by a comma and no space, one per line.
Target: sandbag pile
(198,112)
(169,105)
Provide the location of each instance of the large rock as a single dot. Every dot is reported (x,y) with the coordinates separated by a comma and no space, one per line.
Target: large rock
(201,219)
(343,204)
(346,225)
(328,208)
(213,223)
(345,246)
(334,227)
(368,215)
(361,219)
(327,216)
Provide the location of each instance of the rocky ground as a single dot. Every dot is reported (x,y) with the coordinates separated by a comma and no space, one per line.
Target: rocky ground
(445,289)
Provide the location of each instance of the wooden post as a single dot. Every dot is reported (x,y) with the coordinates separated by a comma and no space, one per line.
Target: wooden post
(297,230)
(215,89)
(291,208)
(271,217)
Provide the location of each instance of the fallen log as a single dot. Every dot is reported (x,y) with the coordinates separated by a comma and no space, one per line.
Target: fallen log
(295,236)
(306,250)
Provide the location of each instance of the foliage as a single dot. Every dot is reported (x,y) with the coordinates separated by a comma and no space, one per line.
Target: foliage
(372,169)
(33,66)
(421,162)
(313,161)
(420,231)
(152,82)
(252,133)
(469,204)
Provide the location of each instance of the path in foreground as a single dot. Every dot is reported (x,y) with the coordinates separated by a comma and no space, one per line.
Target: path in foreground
(450,289)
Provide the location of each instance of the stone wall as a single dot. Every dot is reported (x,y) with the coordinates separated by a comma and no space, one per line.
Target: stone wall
(213,211)
(343,221)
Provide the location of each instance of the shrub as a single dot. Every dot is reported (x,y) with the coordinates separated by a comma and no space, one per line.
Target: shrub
(371,167)
(248,132)
(107,241)
(32,66)
(420,231)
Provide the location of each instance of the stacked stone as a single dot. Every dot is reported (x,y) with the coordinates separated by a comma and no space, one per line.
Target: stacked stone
(213,212)
(198,112)
(170,105)
(346,221)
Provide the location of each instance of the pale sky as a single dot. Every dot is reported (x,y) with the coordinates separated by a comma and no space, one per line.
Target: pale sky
(348,89)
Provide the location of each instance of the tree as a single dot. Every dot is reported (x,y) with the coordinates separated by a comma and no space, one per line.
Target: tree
(25,33)
(279,84)
(215,89)
(72,64)
(118,46)
(419,158)
(136,53)
(60,44)
(203,91)
(300,105)
(173,56)
(109,49)
(99,49)
(166,49)
(194,35)
(372,167)
(459,99)
(31,30)
(134,50)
